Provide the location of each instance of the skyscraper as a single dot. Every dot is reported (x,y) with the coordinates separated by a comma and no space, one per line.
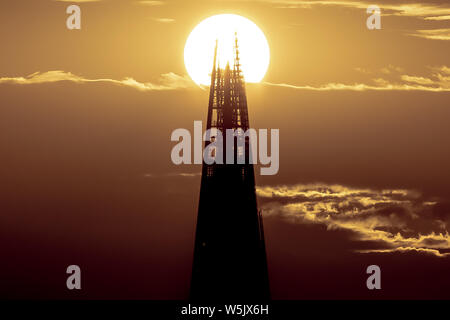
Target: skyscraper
(229,253)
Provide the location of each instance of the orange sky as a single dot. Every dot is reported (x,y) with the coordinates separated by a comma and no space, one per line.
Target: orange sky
(311,44)
(86,117)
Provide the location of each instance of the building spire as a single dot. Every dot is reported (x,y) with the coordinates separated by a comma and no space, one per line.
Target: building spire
(237,64)
(229,252)
(213,73)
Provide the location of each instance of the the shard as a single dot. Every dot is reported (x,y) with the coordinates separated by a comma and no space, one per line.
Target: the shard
(229,254)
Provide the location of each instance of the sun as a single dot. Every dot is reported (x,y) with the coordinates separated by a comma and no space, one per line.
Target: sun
(253,48)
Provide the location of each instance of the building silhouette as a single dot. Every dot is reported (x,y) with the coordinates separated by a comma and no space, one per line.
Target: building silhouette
(229,254)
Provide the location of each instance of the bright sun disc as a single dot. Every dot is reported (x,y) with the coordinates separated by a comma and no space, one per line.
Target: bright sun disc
(253,48)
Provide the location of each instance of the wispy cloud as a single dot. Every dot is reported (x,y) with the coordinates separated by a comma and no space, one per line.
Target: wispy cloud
(439,18)
(361,87)
(167,81)
(390,69)
(433,34)
(419,80)
(78,1)
(385,70)
(174,174)
(397,219)
(164,20)
(438,81)
(443,69)
(151,3)
(363,70)
(433,252)
(430,10)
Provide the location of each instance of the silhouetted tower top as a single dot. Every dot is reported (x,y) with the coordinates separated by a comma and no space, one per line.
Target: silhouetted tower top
(237,63)
(227,95)
(229,254)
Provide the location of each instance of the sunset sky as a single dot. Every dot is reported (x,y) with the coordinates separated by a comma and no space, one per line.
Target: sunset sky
(86,176)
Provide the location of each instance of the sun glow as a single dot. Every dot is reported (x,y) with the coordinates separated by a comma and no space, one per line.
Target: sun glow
(253,48)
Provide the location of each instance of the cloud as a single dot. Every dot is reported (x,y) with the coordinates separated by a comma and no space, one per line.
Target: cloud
(78,1)
(433,34)
(174,174)
(419,80)
(390,68)
(443,69)
(439,18)
(167,81)
(392,218)
(431,11)
(151,3)
(361,87)
(386,70)
(363,70)
(438,81)
(433,252)
(190,175)
(164,20)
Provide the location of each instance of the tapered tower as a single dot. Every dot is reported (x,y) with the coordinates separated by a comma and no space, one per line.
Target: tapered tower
(229,254)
